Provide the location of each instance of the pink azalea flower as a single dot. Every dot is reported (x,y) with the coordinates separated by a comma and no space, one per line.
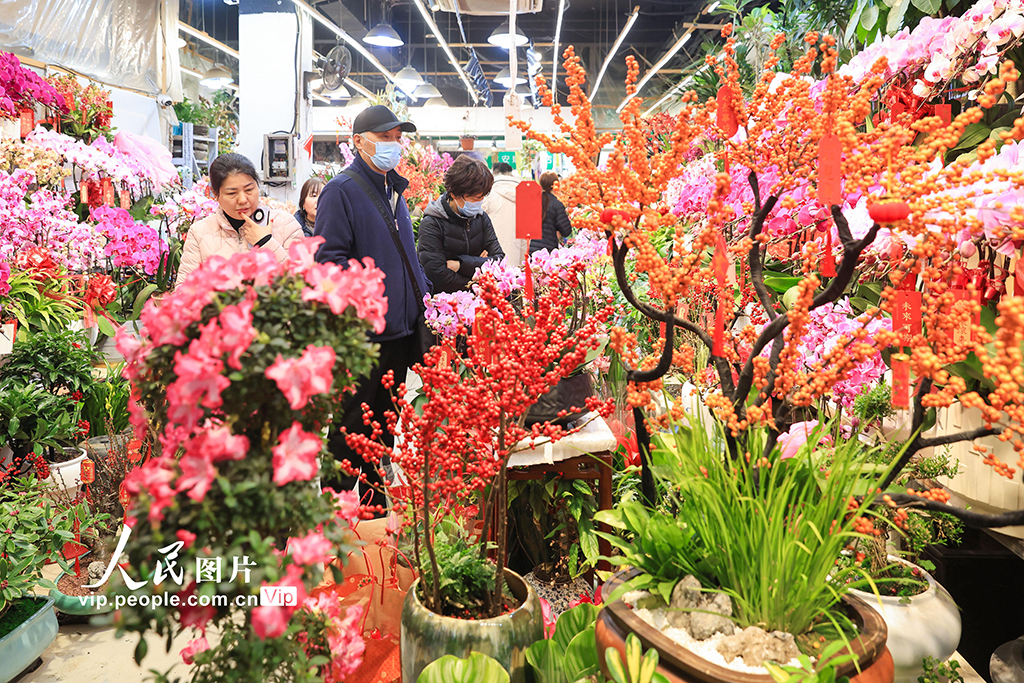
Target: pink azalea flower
(186,537)
(194,615)
(271,621)
(346,643)
(310,549)
(154,479)
(798,434)
(303,254)
(193,648)
(347,503)
(549,621)
(303,377)
(199,379)
(295,455)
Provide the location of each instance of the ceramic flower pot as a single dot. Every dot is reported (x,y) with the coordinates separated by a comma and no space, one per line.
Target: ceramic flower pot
(925,625)
(83,606)
(66,476)
(679,665)
(426,636)
(28,640)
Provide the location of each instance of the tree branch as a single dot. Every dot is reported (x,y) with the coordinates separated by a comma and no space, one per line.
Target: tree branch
(970,518)
(754,256)
(946,439)
(752,179)
(664,363)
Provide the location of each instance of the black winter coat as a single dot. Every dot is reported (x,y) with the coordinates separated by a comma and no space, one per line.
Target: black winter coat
(556,227)
(446,236)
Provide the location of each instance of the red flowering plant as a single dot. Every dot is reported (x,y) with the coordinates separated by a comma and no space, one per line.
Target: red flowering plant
(424,168)
(87,112)
(454,445)
(233,381)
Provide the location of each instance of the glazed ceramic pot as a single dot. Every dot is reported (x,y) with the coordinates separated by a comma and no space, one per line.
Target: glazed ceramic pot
(67,476)
(23,645)
(426,636)
(680,665)
(925,625)
(73,604)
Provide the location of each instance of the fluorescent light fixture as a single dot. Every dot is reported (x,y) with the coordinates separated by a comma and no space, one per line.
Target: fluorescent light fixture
(504,78)
(555,56)
(657,67)
(435,103)
(217,77)
(447,50)
(712,7)
(358,46)
(206,38)
(383,35)
(408,79)
(358,102)
(501,37)
(427,91)
(615,48)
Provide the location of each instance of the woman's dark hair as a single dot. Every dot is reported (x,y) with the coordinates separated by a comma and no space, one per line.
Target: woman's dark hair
(468,177)
(548,180)
(225,165)
(501,168)
(310,187)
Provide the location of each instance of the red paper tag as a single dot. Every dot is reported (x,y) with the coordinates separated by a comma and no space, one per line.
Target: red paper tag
(906,317)
(830,177)
(944,112)
(726,112)
(84,190)
(900,384)
(480,330)
(125,200)
(720,263)
(27,117)
(828,263)
(528,287)
(963,332)
(107,191)
(529,201)
(88,470)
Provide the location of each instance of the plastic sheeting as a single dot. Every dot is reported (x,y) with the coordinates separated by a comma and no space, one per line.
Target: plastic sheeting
(118,42)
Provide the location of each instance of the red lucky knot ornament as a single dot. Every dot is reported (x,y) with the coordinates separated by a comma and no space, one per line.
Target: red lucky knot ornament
(888,209)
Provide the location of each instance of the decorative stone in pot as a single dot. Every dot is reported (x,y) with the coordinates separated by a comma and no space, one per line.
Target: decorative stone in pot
(29,639)
(426,636)
(88,602)
(924,625)
(680,665)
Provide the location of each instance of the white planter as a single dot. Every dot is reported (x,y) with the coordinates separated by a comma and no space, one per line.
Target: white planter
(927,626)
(7,332)
(67,476)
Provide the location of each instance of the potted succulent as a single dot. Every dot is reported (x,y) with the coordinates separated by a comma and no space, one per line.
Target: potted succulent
(37,535)
(456,460)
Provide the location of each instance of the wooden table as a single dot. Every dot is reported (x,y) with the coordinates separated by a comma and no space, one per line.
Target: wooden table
(585,455)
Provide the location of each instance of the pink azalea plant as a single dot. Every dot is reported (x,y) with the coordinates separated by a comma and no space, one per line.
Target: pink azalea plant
(233,380)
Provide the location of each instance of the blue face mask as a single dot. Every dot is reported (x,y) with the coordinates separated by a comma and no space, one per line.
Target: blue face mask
(470,209)
(387,155)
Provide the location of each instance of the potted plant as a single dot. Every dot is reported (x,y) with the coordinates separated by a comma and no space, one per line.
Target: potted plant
(456,459)
(233,379)
(37,535)
(88,112)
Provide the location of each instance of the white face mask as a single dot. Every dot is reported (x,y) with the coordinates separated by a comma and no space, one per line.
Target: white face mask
(386,155)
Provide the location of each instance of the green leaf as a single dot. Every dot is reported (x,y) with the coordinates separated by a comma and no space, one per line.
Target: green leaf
(105,326)
(928,6)
(547,661)
(581,659)
(869,18)
(141,300)
(140,651)
(851,25)
(895,20)
(974,135)
(573,622)
(477,668)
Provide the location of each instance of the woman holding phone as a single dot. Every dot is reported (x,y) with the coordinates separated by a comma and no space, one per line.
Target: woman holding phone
(240,224)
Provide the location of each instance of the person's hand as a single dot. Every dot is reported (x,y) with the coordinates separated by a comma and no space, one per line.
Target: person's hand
(454,266)
(252,231)
(483,254)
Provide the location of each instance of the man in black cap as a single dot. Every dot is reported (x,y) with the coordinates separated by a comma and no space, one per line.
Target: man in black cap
(360,213)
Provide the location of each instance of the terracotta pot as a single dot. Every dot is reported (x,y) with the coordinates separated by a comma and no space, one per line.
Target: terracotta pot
(679,665)
(467,144)
(925,625)
(427,636)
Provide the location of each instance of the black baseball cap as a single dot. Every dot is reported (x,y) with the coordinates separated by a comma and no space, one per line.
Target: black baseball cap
(378,119)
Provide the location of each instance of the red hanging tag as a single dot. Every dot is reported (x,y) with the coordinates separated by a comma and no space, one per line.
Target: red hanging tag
(945,113)
(963,333)
(529,203)
(906,316)
(480,330)
(900,381)
(726,112)
(611,244)
(27,119)
(125,200)
(83,189)
(720,262)
(88,471)
(828,263)
(107,191)
(830,177)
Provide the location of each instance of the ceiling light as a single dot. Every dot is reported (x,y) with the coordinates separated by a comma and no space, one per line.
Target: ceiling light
(435,103)
(179,43)
(217,77)
(358,102)
(382,35)
(408,79)
(555,56)
(427,91)
(524,90)
(504,78)
(502,38)
(615,48)
(330,25)
(657,67)
(447,50)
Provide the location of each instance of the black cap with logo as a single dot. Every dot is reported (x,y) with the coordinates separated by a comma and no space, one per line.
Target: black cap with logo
(379,119)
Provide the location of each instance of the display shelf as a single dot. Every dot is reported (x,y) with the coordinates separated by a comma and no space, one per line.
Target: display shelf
(189,157)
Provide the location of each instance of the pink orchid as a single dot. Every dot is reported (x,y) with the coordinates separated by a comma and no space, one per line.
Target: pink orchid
(295,455)
(798,434)
(303,377)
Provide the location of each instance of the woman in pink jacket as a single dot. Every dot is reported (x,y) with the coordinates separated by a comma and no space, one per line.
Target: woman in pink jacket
(232,230)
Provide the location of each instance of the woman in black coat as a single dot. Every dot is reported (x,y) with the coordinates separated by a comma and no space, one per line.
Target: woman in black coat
(455,236)
(556,227)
